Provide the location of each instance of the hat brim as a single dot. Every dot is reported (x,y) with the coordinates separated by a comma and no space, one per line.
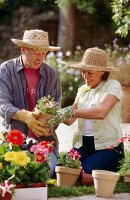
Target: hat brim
(20,43)
(81,66)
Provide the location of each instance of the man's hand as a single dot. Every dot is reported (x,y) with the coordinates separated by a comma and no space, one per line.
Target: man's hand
(30,118)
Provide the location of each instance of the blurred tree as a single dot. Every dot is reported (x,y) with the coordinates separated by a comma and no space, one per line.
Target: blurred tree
(121,16)
(67,29)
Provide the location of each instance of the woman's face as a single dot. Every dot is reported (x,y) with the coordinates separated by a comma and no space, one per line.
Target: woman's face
(92,78)
(33,58)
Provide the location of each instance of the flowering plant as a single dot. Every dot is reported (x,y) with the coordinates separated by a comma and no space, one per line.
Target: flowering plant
(47,105)
(23,166)
(125,162)
(70,159)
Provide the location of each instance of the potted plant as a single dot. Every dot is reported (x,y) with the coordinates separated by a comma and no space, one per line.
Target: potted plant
(26,167)
(120,58)
(125,162)
(68,169)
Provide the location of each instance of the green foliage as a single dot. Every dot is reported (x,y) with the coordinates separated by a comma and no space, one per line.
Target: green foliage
(77,191)
(121,16)
(125,163)
(74,191)
(67,160)
(70,78)
(62,3)
(85,5)
(81,5)
(48,105)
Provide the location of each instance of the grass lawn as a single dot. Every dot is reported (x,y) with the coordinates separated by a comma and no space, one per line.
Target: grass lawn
(76,191)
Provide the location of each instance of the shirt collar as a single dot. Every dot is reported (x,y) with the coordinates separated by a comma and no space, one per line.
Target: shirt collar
(99,87)
(19,66)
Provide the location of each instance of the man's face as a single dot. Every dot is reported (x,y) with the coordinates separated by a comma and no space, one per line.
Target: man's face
(32,58)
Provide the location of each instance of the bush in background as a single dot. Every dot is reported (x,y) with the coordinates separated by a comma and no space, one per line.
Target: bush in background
(119,57)
(70,78)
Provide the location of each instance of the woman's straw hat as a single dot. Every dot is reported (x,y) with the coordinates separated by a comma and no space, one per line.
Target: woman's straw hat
(36,39)
(93,59)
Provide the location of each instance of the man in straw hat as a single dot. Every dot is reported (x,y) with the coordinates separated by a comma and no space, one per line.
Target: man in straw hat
(23,81)
(97,107)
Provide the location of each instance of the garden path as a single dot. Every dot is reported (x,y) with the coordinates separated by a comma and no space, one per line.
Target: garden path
(123,196)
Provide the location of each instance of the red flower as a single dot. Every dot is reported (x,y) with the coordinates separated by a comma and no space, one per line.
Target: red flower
(40,157)
(15,137)
(48,145)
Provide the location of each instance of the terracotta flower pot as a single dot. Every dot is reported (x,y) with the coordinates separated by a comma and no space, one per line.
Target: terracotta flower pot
(127,178)
(104,182)
(66,176)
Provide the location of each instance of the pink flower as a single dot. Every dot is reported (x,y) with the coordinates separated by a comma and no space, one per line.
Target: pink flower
(48,104)
(33,148)
(74,154)
(39,148)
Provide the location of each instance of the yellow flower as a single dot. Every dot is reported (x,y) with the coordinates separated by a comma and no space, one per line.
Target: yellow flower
(51,182)
(21,159)
(1,165)
(9,156)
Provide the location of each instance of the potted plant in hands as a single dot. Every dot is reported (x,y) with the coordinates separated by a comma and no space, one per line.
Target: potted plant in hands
(28,168)
(46,107)
(68,169)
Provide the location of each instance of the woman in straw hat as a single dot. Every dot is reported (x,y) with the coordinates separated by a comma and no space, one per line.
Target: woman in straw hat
(97,107)
(23,81)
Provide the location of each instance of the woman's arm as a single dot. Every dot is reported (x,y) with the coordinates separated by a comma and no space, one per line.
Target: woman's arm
(107,102)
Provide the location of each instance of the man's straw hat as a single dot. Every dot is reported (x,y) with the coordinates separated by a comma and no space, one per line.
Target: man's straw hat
(36,39)
(93,59)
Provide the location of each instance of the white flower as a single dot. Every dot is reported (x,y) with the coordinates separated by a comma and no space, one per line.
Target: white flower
(68,53)
(71,88)
(59,54)
(50,55)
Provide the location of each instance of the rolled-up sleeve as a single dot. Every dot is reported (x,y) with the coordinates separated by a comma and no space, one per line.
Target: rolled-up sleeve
(114,88)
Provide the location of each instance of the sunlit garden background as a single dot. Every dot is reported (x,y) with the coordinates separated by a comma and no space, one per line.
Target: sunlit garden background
(73,25)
